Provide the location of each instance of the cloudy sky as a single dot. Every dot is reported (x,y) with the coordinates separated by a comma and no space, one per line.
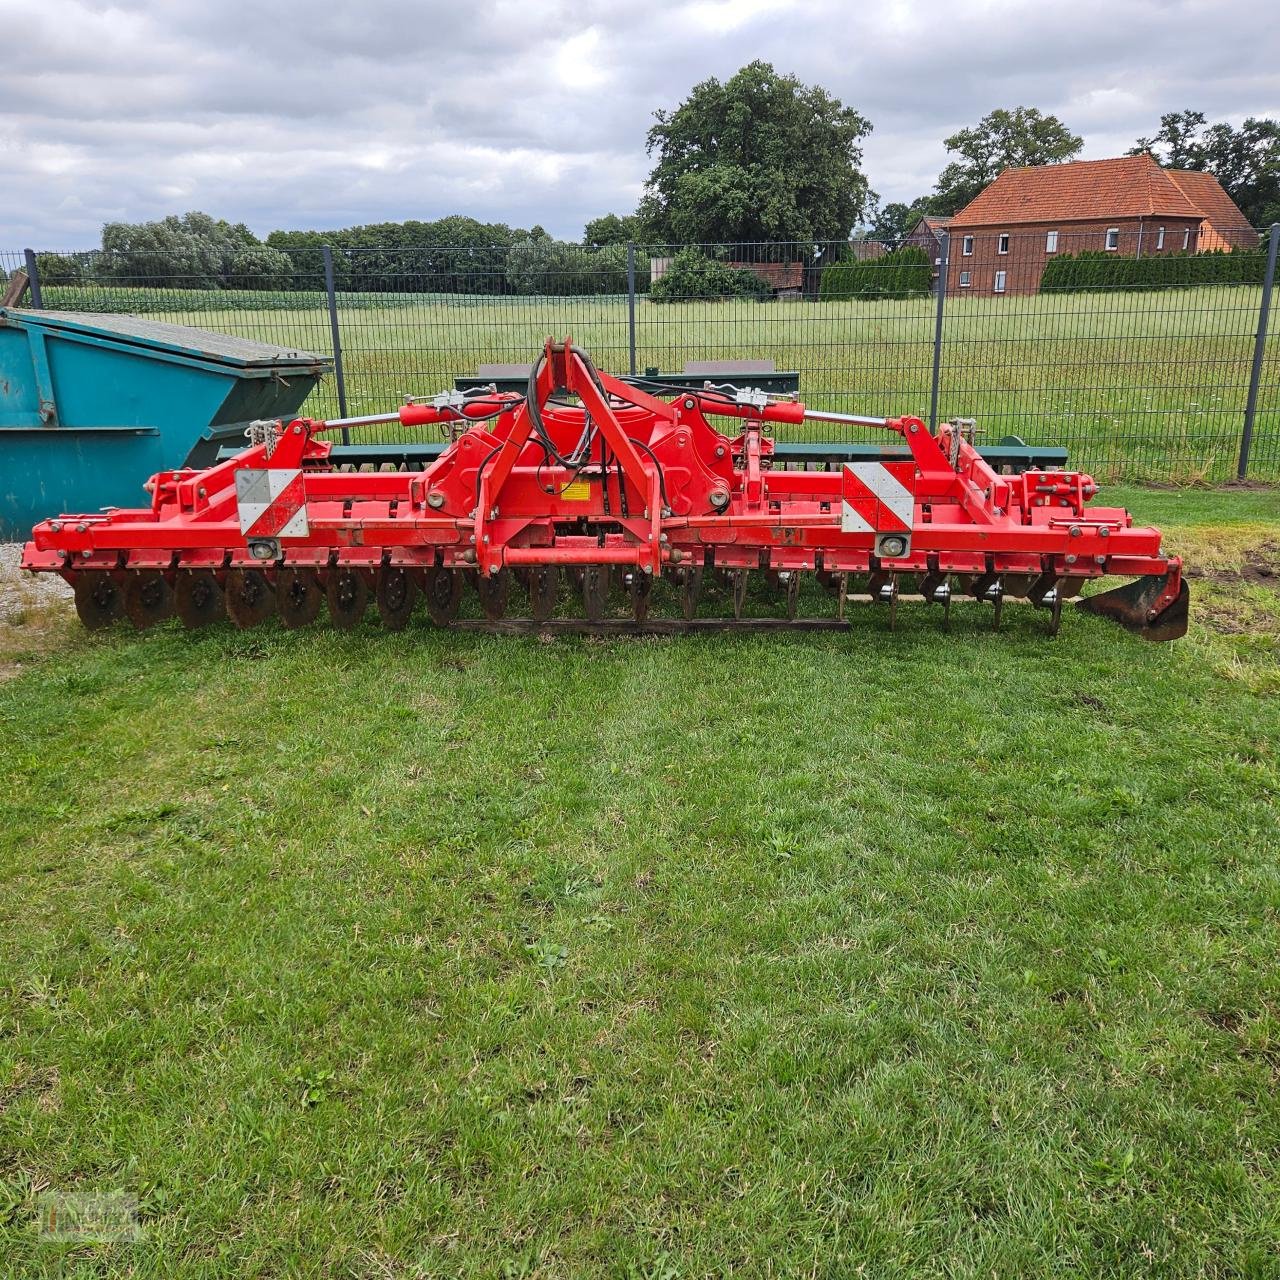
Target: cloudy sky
(301,113)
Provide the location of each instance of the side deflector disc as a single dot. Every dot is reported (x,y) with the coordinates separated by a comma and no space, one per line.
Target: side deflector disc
(1131,605)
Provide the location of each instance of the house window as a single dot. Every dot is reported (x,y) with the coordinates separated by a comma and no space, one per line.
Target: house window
(1113,238)
(966,278)
(999,282)
(966,246)
(1160,238)
(1186,239)
(1051,242)
(1002,245)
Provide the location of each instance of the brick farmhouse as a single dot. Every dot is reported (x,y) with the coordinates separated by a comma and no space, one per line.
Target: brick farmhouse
(1003,238)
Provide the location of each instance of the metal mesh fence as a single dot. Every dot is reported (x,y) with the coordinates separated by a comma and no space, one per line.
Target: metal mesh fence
(1138,357)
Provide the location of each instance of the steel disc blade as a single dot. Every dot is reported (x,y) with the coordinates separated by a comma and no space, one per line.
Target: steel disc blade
(249,597)
(691,591)
(298,596)
(443,589)
(148,598)
(99,598)
(397,593)
(595,590)
(544,587)
(641,589)
(493,590)
(1055,617)
(348,595)
(793,595)
(198,599)
(1044,590)
(983,585)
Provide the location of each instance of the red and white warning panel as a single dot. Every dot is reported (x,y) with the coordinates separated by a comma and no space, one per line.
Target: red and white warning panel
(877,497)
(271,502)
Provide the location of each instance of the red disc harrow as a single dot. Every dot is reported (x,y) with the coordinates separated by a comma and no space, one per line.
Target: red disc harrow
(587,484)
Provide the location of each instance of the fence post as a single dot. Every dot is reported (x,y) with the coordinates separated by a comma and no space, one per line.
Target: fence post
(33,278)
(631,306)
(337,340)
(1259,348)
(943,273)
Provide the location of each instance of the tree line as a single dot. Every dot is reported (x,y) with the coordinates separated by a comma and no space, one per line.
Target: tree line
(740,168)
(448,255)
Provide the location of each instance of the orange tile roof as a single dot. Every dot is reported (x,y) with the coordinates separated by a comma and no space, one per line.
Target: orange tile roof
(1084,190)
(1206,193)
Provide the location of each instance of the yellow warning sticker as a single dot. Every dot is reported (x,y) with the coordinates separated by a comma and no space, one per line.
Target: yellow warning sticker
(576,491)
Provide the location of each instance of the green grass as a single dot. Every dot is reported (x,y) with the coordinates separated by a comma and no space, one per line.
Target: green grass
(1137,385)
(434,954)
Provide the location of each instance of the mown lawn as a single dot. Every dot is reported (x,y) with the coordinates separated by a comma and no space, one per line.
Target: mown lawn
(436,954)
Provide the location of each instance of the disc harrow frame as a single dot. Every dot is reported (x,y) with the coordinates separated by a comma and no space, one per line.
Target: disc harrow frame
(595,483)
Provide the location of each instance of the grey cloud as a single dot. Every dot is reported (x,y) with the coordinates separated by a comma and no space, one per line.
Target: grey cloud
(293,114)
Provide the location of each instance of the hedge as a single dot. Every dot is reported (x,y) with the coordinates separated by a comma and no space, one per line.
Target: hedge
(1095,269)
(902,273)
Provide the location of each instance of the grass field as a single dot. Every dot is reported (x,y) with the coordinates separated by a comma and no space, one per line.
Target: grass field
(1139,385)
(435,954)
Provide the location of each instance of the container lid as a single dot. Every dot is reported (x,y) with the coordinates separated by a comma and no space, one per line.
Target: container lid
(203,344)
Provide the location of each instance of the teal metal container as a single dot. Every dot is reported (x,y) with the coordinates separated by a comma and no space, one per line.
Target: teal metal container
(92,405)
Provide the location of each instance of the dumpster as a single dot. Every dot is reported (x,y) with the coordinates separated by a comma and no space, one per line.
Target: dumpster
(92,405)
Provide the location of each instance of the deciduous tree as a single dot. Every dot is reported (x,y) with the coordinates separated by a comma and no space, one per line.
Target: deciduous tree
(895,220)
(1246,160)
(760,157)
(1004,139)
(195,251)
(612,228)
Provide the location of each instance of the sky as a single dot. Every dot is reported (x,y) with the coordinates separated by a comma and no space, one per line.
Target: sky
(302,114)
